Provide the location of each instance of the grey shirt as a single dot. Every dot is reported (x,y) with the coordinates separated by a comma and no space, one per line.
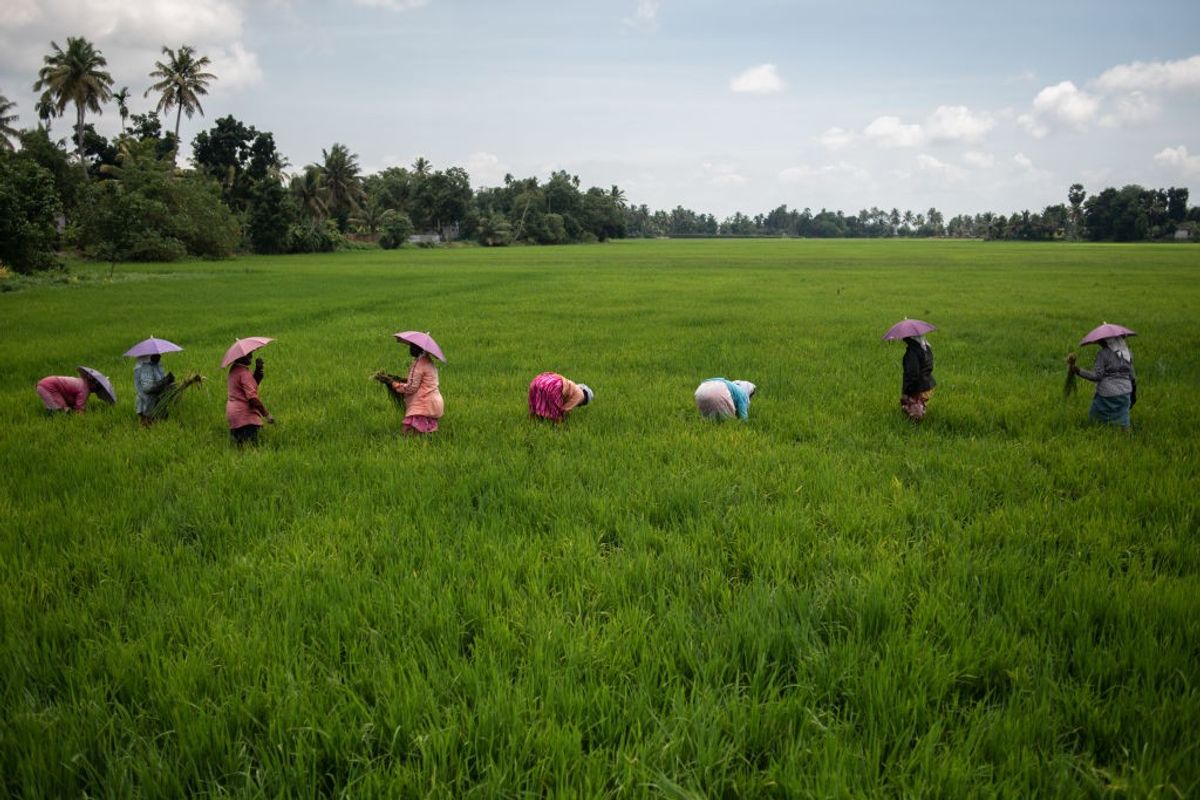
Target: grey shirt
(1112,374)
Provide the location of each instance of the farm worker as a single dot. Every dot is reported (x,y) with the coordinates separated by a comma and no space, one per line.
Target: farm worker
(243,408)
(66,393)
(1116,382)
(917,384)
(149,381)
(423,404)
(718,398)
(551,396)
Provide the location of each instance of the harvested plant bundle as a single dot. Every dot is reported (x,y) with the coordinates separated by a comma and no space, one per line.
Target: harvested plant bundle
(169,396)
(387,380)
(1070,386)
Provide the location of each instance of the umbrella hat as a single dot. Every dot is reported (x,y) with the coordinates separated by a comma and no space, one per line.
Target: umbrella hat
(1105,331)
(152,346)
(102,382)
(244,347)
(908,327)
(422,340)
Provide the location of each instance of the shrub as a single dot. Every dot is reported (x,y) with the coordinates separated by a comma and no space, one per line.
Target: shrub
(29,208)
(396,231)
(313,237)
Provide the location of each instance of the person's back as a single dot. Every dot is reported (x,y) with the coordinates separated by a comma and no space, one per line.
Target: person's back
(719,398)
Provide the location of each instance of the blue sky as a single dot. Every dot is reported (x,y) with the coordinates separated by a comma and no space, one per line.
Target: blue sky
(718,106)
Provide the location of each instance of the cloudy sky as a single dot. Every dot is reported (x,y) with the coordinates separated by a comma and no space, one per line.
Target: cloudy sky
(713,104)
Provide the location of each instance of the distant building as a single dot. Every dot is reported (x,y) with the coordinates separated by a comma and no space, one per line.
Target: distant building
(425,238)
(1182,234)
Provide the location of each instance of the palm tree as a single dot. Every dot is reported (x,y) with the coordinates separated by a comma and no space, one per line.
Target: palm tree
(75,75)
(617,195)
(182,82)
(122,98)
(6,120)
(421,167)
(309,190)
(340,172)
(371,216)
(45,110)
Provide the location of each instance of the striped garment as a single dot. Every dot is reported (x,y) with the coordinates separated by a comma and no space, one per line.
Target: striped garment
(546,396)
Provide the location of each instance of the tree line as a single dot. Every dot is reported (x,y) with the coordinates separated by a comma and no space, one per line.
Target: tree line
(1130,214)
(128,199)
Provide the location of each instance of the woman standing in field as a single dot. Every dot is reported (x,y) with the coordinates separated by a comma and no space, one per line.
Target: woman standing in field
(916,383)
(149,381)
(423,404)
(551,396)
(67,393)
(1113,374)
(244,411)
(719,399)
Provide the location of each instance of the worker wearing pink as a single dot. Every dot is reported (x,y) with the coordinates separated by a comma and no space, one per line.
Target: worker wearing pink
(552,396)
(423,405)
(244,410)
(64,393)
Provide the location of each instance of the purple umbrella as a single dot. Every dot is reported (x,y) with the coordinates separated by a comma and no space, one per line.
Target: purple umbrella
(244,347)
(423,341)
(152,346)
(1106,331)
(106,388)
(906,328)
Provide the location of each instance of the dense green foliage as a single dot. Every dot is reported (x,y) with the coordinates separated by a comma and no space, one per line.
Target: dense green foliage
(29,209)
(825,600)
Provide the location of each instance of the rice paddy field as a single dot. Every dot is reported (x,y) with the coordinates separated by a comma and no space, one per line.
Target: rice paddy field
(823,601)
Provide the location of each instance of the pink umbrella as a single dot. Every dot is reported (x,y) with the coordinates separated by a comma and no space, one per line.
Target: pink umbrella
(152,346)
(106,388)
(1106,331)
(423,341)
(244,347)
(906,328)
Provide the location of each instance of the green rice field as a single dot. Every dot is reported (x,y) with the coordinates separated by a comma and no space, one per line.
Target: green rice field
(826,600)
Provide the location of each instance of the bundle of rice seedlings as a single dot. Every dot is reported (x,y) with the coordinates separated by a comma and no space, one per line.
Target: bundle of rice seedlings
(170,396)
(1069,387)
(387,380)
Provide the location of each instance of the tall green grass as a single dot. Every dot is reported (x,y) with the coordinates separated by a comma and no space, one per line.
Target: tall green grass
(826,600)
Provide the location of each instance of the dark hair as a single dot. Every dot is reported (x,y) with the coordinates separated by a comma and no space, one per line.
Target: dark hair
(414,350)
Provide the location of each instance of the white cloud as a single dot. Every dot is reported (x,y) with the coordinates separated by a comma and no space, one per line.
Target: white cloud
(763,79)
(722,174)
(644,17)
(841,171)
(1165,76)
(392,5)
(1132,107)
(891,132)
(928,163)
(981,160)
(1178,158)
(485,169)
(1023,161)
(958,123)
(836,138)
(236,67)
(1063,104)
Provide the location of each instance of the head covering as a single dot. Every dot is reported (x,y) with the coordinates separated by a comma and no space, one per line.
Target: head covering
(1119,346)
(588,394)
(746,386)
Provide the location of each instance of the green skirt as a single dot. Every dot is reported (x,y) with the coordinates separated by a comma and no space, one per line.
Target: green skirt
(1113,410)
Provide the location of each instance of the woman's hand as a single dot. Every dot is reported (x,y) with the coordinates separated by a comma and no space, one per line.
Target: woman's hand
(270,419)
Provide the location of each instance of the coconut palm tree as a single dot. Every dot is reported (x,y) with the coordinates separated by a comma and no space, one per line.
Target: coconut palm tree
(45,110)
(75,75)
(6,122)
(122,98)
(371,216)
(309,190)
(421,167)
(340,173)
(182,81)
